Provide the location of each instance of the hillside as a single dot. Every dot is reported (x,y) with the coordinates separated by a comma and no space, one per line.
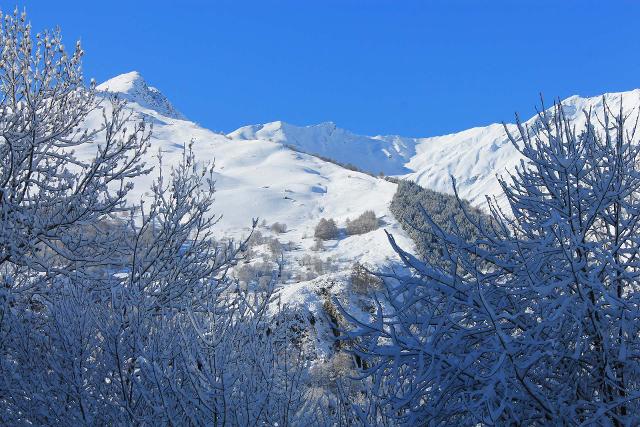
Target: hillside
(264,178)
(371,154)
(269,171)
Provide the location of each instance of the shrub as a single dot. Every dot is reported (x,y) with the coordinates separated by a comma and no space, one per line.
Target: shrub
(533,319)
(326,229)
(120,323)
(330,373)
(363,224)
(278,227)
(392,179)
(362,281)
(336,319)
(253,273)
(318,246)
(289,246)
(275,247)
(314,263)
(256,239)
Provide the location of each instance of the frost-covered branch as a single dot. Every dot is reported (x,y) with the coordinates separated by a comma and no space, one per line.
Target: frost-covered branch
(532,319)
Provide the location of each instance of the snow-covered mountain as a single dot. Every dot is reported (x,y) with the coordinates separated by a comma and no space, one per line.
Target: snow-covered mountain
(258,177)
(270,171)
(473,156)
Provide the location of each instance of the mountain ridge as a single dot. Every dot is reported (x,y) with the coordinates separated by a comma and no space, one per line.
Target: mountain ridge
(472,156)
(328,140)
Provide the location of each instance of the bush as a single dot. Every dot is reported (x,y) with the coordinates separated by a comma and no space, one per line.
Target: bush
(332,372)
(533,319)
(314,263)
(392,179)
(362,281)
(363,224)
(315,266)
(326,229)
(336,320)
(278,227)
(254,273)
(121,323)
(256,239)
(318,246)
(275,246)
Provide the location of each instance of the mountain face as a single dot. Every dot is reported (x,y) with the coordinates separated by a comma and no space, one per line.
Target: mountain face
(473,157)
(280,172)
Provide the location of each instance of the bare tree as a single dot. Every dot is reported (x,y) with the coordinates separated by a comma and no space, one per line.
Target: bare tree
(114,314)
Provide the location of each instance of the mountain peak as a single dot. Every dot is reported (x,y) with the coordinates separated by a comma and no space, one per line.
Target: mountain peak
(132,87)
(124,83)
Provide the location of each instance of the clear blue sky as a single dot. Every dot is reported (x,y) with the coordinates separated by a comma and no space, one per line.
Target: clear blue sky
(415,68)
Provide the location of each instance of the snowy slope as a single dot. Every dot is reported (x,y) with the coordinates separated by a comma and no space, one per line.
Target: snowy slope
(259,176)
(473,156)
(264,171)
(262,178)
(325,139)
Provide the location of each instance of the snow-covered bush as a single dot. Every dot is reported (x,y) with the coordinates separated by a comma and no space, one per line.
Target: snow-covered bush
(275,247)
(326,229)
(338,368)
(252,273)
(278,227)
(314,263)
(318,245)
(365,223)
(534,320)
(256,239)
(362,281)
(335,318)
(316,266)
